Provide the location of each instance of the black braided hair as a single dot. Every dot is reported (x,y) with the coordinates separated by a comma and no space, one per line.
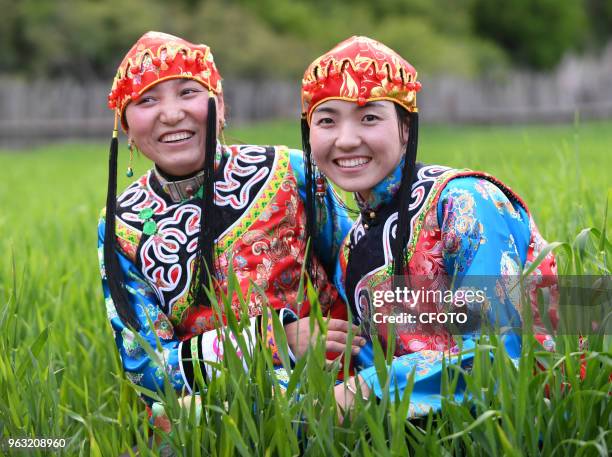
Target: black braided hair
(204,266)
(309,173)
(408,176)
(114,275)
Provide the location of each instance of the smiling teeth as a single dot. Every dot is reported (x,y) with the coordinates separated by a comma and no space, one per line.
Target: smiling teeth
(351,163)
(169,138)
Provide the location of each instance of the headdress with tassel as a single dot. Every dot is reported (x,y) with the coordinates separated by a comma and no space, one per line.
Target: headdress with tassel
(154,58)
(362,70)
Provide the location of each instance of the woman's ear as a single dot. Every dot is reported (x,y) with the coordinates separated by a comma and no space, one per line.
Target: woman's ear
(220,113)
(123,120)
(404,133)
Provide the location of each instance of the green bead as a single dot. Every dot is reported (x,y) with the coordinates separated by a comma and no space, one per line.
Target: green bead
(129,173)
(149,228)
(146,213)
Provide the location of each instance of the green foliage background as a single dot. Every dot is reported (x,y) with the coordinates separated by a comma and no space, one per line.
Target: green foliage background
(59,370)
(254,39)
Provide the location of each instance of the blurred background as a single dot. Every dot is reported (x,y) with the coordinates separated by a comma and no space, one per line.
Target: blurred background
(480,61)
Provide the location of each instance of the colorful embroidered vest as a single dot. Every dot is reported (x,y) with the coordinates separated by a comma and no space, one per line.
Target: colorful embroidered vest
(260,229)
(366,259)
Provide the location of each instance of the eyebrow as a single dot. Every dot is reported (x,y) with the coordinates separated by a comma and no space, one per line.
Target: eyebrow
(327,109)
(181,82)
(373,104)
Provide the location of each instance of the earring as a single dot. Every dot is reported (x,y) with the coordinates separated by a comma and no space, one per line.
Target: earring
(130,171)
(320,186)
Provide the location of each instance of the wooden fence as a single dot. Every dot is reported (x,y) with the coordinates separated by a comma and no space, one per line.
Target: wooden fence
(39,111)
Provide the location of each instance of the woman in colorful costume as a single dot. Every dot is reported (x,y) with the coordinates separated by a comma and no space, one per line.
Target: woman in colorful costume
(421,227)
(167,95)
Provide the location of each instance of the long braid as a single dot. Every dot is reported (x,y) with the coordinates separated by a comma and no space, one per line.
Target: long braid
(408,176)
(310,198)
(114,275)
(204,265)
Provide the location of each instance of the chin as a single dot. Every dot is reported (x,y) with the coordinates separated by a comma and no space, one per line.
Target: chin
(353,187)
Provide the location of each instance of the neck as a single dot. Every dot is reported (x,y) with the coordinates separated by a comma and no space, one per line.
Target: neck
(181,188)
(174,178)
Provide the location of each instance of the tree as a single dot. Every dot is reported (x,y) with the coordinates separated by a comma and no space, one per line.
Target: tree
(535,33)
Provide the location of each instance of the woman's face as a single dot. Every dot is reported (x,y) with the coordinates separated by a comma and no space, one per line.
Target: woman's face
(168,125)
(356,146)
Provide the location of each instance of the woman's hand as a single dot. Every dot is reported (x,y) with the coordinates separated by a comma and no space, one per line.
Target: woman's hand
(299,337)
(346,391)
(161,420)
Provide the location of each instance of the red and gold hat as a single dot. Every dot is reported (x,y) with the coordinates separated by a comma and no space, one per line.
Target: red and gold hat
(359,69)
(157,57)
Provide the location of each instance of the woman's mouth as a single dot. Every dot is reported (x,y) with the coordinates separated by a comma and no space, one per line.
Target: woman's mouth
(175,137)
(353,162)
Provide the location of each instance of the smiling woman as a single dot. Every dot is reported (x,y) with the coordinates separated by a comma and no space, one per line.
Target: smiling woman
(422,229)
(203,210)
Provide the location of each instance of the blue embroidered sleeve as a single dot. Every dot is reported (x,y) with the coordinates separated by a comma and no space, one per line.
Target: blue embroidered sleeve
(485,238)
(139,366)
(484,234)
(333,219)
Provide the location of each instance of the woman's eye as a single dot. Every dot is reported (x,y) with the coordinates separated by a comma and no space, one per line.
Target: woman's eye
(145,100)
(370,118)
(324,121)
(189,90)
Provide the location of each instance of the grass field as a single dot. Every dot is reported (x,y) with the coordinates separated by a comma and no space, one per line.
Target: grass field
(60,376)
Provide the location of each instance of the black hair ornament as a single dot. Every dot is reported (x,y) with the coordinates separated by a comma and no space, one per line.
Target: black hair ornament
(204,266)
(114,275)
(403,228)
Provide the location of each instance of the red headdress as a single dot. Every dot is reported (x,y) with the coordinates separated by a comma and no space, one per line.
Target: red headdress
(359,69)
(157,57)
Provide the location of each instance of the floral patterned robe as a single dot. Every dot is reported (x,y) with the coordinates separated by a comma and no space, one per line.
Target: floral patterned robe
(259,192)
(468,232)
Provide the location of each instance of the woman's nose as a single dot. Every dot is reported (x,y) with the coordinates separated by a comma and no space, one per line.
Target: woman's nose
(348,137)
(171,113)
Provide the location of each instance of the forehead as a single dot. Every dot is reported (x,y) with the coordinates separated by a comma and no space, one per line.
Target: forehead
(172,84)
(348,107)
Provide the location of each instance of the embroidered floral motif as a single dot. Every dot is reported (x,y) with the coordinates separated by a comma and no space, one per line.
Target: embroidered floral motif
(462,233)
(163,327)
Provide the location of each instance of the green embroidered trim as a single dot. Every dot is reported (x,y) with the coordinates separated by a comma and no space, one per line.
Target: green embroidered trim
(194,349)
(266,196)
(126,233)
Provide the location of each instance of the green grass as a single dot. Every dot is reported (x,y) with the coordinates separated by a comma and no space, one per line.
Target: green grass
(60,375)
